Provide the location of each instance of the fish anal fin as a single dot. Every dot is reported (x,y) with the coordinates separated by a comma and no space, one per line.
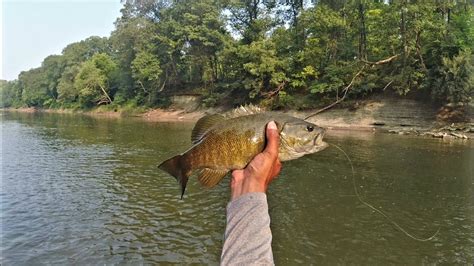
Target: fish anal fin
(203,125)
(210,177)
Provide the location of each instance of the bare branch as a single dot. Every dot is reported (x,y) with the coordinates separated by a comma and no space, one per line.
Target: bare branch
(388,84)
(143,87)
(381,62)
(164,83)
(270,94)
(106,94)
(345,90)
(418,51)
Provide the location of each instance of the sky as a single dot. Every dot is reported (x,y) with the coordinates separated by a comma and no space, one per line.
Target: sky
(34,29)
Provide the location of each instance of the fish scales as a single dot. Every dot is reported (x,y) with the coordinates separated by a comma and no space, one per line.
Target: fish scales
(224,144)
(229,149)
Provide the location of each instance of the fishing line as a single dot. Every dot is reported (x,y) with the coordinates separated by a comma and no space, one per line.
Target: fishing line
(377,210)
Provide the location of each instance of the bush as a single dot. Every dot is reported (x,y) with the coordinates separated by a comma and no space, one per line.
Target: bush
(454,82)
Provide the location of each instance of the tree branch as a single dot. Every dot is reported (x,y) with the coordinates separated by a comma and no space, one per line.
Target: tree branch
(418,51)
(106,94)
(164,82)
(345,90)
(275,92)
(388,84)
(381,62)
(143,87)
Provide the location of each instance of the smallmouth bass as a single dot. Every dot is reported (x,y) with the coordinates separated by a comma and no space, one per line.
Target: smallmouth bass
(222,144)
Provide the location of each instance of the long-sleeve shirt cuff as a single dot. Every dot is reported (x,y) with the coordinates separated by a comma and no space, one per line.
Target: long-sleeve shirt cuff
(248,236)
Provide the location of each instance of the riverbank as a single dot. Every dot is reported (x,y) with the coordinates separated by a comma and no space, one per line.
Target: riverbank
(396,116)
(152,115)
(82,180)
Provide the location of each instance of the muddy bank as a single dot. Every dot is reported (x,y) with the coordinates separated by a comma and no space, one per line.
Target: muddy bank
(396,116)
(161,115)
(152,115)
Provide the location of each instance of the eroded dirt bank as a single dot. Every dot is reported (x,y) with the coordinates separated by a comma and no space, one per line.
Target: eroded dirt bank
(398,116)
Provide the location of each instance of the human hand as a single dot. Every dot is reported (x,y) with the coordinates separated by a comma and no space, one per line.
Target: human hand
(263,168)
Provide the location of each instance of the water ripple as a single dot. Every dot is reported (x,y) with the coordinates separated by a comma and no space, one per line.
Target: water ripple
(77,190)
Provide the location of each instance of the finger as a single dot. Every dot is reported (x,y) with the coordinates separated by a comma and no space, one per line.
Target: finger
(236,180)
(274,174)
(276,168)
(273,140)
(237,175)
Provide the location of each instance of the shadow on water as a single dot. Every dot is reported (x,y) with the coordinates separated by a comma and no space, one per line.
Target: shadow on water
(77,189)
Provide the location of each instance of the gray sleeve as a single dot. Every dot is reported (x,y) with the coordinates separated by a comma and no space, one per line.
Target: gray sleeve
(248,237)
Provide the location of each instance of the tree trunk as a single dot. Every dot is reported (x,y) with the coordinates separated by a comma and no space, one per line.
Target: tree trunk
(419,52)
(105,93)
(403,32)
(362,33)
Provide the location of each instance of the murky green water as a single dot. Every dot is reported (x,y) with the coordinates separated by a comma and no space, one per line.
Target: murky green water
(82,190)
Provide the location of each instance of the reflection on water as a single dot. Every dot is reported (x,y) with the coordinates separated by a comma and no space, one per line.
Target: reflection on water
(76,189)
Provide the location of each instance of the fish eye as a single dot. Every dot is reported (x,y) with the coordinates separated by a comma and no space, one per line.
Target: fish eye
(310,128)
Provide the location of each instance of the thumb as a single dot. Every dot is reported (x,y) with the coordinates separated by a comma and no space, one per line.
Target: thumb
(273,140)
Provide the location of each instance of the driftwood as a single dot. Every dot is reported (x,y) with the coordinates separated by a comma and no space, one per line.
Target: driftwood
(346,89)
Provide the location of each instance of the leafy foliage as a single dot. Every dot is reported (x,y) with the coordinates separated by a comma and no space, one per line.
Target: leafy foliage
(293,53)
(456,80)
(94,78)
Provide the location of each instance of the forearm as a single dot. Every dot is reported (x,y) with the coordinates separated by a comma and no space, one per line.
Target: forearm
(248,237)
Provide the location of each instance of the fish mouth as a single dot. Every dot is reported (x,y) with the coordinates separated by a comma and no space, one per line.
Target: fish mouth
(318,140)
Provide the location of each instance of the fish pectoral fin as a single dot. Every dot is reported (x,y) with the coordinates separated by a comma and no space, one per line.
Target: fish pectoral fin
(210,177)
(203,125)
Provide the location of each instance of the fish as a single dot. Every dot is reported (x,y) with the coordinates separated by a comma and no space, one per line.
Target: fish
(223,143)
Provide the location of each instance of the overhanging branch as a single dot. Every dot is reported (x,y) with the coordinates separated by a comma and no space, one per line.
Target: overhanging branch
(381,62)
(345,90)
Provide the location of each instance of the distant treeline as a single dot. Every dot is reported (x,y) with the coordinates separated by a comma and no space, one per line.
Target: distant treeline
(280,53)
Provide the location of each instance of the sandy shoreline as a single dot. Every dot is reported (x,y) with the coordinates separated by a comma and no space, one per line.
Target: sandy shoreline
(153,115)
(333,120)
(179,115)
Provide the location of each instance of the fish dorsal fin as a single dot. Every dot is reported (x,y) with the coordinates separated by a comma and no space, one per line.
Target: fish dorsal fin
(203,125)
(243,110)
(210,177)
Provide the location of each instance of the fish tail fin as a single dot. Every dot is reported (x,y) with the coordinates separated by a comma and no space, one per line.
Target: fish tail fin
(173,166)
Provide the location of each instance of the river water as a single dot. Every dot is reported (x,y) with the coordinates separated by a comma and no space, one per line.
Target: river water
(84,190)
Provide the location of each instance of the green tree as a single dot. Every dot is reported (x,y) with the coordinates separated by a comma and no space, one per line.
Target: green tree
(132,35)
(94,80)
(292,53)
(10,94)
(53,67)
(455,82)
(78,52)
(250,18)
(147,72)
(67,92)
(35,88)
(255,68)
